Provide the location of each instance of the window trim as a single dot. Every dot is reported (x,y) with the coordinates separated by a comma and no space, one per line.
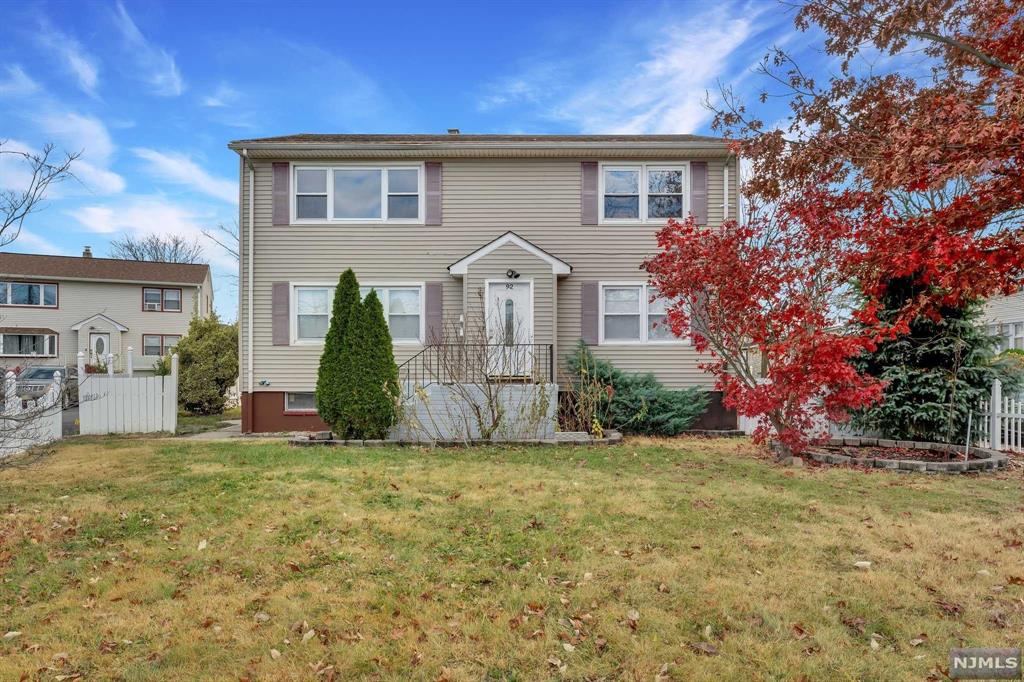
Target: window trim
(293,309)
(418,166)
(163,344)
(163,308)
(644,322)
(643,167)
(1005,331)
(56,345)
(7,284)
(299,410)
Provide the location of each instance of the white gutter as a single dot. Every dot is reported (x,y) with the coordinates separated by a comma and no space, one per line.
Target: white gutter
(249,267)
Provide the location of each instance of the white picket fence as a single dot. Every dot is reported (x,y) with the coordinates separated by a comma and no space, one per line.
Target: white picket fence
(32,423)
(124,403)
(1000,421)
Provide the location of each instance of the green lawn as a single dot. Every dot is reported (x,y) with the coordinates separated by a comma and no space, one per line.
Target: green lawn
(198,423)
(690,559)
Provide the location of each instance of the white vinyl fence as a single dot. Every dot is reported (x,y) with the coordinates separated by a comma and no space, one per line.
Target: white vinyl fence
(1001,421)
(124,403)
(26,425)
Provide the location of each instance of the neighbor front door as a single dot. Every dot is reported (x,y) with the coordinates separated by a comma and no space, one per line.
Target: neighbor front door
(509,313)
(99,347)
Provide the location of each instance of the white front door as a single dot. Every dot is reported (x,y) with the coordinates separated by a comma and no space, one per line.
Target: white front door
(99,346)
(509,312)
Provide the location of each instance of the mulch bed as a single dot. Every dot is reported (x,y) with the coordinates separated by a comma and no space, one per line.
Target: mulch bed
(896,453)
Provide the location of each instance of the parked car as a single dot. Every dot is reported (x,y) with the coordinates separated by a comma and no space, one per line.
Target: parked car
(35,380)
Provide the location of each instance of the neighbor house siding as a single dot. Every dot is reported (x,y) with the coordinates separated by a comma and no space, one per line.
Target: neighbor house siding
(538,199)
(1005,308)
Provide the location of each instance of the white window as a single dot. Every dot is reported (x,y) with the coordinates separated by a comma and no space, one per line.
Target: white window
(33,294)
(402,308)
(44,345)
(1011,335)
(158,345)
(312,312)
(299,402)
(643,192)
(630,316)
(359,194)
(402,303)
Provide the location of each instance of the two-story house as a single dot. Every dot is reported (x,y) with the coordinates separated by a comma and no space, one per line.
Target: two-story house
(550,229)
(52,307)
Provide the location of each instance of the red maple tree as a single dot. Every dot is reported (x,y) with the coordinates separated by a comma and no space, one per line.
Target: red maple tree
(915,172)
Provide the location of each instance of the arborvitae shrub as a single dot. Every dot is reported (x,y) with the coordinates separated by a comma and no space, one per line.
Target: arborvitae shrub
(328,380)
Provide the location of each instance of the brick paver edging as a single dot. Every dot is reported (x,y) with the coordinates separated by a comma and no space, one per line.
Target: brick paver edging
(982,459)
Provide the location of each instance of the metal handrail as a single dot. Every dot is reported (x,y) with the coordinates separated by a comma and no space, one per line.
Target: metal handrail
(446,363)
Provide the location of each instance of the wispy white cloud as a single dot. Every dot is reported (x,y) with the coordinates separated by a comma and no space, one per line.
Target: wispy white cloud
(181,170)
(17,83)
(223,96)
(658,88)
(156,65)
(142,215)
(30,242)
(79,62)
(88,135)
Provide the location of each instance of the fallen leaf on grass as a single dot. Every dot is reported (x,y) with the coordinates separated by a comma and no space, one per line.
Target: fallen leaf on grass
(949,608)
(12,634)
(275,654)
(293,566)
(202,545)
(919,640)
(310,634)
(1015,580)
(704,648)
(600,643)
(798,631)
(632,618)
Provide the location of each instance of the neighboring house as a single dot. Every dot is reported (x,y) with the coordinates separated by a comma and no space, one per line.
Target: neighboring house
(1005,318)
(549,230)
(52,307)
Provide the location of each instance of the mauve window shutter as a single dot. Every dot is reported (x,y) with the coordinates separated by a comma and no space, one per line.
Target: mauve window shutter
(588,194)
(699,191)
(281,194)
(590,312)
(434,309)
(279,314)
(432,182)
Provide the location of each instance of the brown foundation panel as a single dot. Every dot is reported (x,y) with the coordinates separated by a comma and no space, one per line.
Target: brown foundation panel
(263,412)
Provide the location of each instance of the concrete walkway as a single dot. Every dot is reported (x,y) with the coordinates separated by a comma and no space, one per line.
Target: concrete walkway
(232,430)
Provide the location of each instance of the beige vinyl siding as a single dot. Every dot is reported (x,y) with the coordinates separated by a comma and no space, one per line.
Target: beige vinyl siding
(122,302)
(1005,308)
(538,199)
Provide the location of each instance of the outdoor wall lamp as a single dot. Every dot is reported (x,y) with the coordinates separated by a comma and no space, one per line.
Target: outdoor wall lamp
(511,274)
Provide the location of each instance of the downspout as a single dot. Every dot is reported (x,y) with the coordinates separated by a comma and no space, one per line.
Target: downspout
(249,285)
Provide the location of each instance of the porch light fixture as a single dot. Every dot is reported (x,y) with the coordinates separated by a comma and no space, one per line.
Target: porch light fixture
(511,274)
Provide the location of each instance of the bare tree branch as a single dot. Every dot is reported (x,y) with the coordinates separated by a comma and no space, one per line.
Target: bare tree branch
(171,248)
(17,204)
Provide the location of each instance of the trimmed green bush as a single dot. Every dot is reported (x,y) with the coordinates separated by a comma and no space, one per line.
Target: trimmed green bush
(207,364)
(638,403)
(369,375)
(329,384)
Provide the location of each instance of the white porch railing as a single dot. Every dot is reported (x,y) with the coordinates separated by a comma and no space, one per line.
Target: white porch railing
(1000,421)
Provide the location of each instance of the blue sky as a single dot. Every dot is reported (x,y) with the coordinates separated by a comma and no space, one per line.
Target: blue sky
(151,92)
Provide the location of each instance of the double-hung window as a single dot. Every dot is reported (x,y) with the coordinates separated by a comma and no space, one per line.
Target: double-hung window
(643,192)
(158,345)
(35,294)
(155,299)
(634,313)
(1011,335)
(358,194)
(402,309)
(402,304)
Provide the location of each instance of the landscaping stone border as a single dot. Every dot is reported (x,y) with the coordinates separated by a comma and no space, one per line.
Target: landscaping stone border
(561,438)
(983,459)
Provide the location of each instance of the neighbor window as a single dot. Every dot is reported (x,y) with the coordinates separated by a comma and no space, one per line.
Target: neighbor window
(392,194)
(628,315)
(28,294)
(641,192)
(158,345)
(29,344)
(299,402)
(402,306)
(155,299)
(1011,335)
(401,309)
